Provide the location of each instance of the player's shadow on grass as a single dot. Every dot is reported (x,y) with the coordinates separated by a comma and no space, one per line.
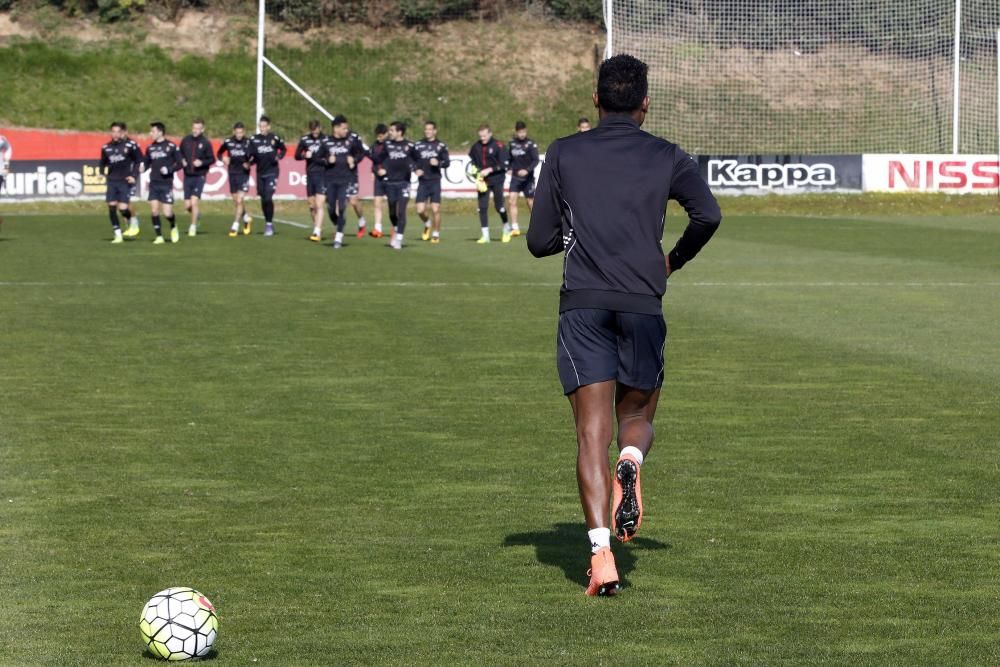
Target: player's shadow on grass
(565,546)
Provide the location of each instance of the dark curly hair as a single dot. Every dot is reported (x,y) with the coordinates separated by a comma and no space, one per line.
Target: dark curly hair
(622,84)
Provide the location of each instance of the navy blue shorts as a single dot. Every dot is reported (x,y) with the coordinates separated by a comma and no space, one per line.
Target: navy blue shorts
(239,181)
(193,186)
(595,345)
(315,185)
(429,190)
(524,185)
(352,187)
(119,191)
(266,185)
(379,190)
(161,191)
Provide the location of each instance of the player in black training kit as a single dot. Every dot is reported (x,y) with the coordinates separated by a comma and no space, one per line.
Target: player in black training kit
(266,151)
(611,331)
(120,159)
(133,218)
(163,158)
(489,164)
(235,154)
(309,151)
(341,153)
(432,157)
(377,154)
(522,154)
(395,168)
(198,157)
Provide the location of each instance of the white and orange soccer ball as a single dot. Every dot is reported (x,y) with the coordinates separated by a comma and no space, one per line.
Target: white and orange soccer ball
(179,624)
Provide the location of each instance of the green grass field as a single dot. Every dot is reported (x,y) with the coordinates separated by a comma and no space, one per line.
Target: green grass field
(364,457)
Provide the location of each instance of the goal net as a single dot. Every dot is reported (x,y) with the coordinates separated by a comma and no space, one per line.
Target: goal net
(813,76)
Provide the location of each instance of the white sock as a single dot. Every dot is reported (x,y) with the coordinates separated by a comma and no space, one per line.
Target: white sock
(399,238)
(134,220)
(514,226)
(435,234)
(634,451)
(600,538)
(236,225)
(506,228)
(317,231)
(361,221)
(486,232)
(118,233)
(339,237)
(427,224)
(378,226)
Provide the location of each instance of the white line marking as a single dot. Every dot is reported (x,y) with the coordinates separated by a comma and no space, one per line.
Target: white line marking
(292,223)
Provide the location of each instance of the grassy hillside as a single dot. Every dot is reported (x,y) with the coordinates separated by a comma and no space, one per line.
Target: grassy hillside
(519,72)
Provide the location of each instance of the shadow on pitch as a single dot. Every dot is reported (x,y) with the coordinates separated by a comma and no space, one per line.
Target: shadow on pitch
(565,546)
(211,655)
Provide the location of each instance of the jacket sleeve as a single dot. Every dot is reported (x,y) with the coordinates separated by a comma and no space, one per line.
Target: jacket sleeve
(545,229)
(206,156)
(103,168)
(300,150)
(223,149)
(689,189)
(280,150)
(443,158)
(533,152)
(178,161)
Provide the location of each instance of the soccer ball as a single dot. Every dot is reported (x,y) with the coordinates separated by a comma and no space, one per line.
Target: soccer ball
(179,624)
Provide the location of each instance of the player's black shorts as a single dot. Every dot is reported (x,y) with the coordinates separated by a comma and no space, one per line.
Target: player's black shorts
(595,345)
(162,191)
(524,185)
(352,187)
(193,186)
(119,191)
(396,190)
(315,185)
(239,181)
(429,190)
(266,185)
(379,190)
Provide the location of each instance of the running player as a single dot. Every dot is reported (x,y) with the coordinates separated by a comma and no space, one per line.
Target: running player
(376,153)
(395,168)
(197,155)
(235,154)
(120,160)
(432,158)
(309,150)
(360,150)
(490,161)
(163,158)
(583,125)
(523,154)
(266,151)
(611,330)
(341,154)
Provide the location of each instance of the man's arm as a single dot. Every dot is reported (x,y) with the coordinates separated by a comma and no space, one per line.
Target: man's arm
(704,216)
(545,228)
(300,150)
(207,157)
(102,168)
(279,148)
(443,158)
(533,152)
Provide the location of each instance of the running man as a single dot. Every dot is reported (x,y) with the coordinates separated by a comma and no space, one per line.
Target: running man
(120,159)
(432,158)
(489,159)
(583,125)
(341,153)
(395,168)
(163,158)
(377,155)
(4,147)
(266,151)
(309,151)
(523,155)
(611,332)
(133,216)
(235,154)
(197,156)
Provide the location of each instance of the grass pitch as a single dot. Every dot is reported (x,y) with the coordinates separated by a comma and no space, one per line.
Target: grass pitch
(364,457)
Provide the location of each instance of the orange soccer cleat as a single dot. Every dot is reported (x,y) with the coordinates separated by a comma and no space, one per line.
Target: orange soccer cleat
(603,574)
(375,233)
(626,506)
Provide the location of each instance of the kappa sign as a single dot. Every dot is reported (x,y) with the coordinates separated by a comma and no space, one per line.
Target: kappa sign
(781,173)
(932,173)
